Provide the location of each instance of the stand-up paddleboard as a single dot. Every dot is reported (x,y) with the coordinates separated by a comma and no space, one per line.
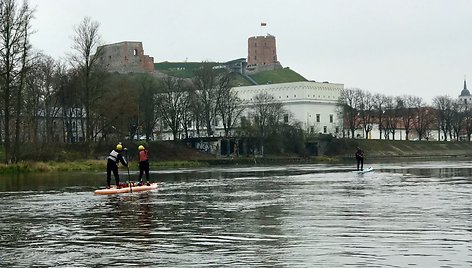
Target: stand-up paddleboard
(369,169)
(127,189)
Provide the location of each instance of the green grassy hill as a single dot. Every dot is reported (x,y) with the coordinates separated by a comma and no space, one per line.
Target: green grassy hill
(284,75)
(186,70)
(178,69)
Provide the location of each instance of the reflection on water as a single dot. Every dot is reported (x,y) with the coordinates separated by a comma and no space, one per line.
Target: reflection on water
(401,215)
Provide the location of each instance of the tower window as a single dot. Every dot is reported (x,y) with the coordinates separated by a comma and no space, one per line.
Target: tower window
(135,52)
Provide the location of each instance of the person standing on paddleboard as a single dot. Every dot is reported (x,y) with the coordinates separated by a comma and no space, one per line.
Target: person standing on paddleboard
(112,164)
(360,158)
(143,164)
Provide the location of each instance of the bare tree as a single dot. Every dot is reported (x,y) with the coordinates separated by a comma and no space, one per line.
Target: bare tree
(378,102)
(172,100)
(443,105)
(458,118)
(14,46)
(210,83)
(85,42)
(468,120)
(366,110)
(423,117)
(348,108)
(390,118)
(408,108)
(267,114)
(115,113)
(230,108)
(147,87)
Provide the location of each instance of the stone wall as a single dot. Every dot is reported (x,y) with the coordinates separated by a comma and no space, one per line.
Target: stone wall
(125,57)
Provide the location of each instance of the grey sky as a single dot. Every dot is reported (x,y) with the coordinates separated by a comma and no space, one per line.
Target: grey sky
(417,47)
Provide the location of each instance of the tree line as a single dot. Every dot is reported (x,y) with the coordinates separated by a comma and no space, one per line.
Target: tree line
(75,100)
(360,109)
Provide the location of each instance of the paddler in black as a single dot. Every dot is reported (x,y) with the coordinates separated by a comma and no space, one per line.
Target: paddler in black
(112,164)
(360,158)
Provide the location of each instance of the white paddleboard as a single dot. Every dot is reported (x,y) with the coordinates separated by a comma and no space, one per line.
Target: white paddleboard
(369,169)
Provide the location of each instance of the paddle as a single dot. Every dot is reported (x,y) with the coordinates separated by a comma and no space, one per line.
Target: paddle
(127,167)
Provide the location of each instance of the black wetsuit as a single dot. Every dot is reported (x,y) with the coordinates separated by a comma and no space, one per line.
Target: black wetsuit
(112,166)
(360,159)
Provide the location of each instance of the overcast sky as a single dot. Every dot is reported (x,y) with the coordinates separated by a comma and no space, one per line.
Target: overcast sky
(395,47)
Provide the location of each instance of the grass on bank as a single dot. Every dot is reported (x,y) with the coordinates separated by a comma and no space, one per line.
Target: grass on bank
(86,165)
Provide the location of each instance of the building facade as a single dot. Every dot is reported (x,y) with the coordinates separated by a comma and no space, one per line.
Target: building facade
(313,104)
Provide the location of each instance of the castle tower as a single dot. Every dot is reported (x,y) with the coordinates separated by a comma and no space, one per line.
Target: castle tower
(126,57)
(262,53)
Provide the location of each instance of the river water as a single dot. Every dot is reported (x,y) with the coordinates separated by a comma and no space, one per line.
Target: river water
(414,214)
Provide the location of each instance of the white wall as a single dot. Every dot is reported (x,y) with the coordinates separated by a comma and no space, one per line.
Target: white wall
(304,101)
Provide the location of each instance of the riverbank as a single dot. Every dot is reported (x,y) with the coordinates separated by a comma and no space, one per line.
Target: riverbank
(171,156)
(382,149)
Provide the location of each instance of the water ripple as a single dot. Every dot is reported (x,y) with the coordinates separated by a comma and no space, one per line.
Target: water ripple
(402,215)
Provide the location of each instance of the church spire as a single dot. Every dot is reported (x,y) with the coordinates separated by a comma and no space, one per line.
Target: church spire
(465,92)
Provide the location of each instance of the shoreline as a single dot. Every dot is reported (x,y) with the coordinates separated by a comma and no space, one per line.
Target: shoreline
(100,165)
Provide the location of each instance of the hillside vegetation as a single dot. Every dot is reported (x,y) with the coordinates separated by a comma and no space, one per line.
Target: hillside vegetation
(187,69)
(285,75)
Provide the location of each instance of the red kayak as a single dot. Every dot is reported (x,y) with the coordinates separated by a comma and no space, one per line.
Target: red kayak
(127,189)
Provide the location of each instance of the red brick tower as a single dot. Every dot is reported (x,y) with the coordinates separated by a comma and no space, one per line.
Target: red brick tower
(262,53)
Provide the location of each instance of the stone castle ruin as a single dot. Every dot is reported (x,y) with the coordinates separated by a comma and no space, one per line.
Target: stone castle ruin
(125,57)
(128,56)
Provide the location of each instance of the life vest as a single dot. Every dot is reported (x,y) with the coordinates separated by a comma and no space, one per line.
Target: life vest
(113,156)
(143,155)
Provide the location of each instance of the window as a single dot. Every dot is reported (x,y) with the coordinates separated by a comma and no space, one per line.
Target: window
(135,52)
(318,118)
(312,129)
(331,118)
(325,129)
(285,118)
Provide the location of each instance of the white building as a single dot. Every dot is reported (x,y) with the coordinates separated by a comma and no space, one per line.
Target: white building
(313,104)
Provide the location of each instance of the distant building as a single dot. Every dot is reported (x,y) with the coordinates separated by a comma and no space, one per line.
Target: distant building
(313,104)
(465,96)
(125,57)
(262,54)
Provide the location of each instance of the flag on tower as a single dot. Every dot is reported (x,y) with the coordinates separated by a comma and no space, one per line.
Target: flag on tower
(263,24)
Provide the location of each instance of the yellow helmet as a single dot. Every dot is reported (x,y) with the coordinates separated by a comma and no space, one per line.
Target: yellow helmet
(119,147)
(140,147)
